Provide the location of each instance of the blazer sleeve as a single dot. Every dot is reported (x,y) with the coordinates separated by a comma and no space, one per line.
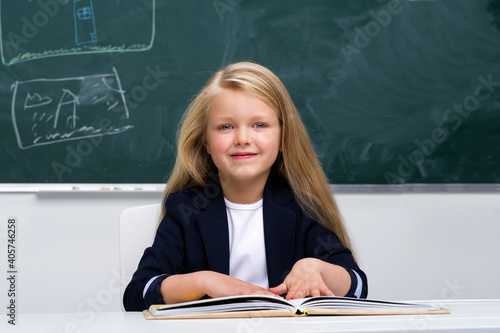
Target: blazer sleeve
(164,257)
(325,245)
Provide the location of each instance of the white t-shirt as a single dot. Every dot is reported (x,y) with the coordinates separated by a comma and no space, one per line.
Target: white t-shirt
(247,251)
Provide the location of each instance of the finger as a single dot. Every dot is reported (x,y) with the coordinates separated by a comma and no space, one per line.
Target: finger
(268,293)
(294,293)
(315,292)
(278,290)
(326,292)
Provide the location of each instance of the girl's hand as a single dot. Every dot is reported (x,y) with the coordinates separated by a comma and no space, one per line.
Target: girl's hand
(305,279)
(220,285)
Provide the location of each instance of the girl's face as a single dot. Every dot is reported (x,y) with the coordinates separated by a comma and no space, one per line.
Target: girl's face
(243,136)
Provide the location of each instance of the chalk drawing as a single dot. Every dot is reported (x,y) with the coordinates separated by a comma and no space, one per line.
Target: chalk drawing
(85,31)
(29,30)
(47,111)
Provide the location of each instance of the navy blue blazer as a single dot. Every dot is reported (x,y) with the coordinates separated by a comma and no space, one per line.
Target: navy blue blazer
(193,236)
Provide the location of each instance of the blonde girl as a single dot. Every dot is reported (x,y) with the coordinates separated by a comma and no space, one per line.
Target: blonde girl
(247,208)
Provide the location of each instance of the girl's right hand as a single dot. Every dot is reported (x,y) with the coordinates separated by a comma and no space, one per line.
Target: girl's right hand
(192,286)
(220,285)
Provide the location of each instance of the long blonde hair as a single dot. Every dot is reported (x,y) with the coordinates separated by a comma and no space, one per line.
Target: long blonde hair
(297,161)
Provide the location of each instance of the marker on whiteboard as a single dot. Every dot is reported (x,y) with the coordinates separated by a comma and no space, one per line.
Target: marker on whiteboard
(85,188)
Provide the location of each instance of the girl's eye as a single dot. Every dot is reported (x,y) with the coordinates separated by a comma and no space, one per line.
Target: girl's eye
(225,127)
(260,125)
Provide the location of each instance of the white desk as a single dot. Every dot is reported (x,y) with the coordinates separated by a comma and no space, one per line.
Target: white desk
(466,316)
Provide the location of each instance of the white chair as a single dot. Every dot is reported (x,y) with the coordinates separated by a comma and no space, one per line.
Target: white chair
(137,231)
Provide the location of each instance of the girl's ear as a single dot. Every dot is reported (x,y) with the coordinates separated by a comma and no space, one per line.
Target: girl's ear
(204,142)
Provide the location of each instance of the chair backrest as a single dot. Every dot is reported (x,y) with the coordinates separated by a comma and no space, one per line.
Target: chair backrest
(137,230)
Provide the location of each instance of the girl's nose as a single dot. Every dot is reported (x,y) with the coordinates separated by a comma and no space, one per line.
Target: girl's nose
(242,137)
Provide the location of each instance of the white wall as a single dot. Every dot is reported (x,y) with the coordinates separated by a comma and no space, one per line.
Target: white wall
(427,246)
(412,246)
(68,249)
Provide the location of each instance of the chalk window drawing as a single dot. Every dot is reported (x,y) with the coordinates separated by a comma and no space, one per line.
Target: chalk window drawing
(84,13)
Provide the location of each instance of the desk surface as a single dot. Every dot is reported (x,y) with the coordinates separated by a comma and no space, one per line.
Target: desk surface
(466,316)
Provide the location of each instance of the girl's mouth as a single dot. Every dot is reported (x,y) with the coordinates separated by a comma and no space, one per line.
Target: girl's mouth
(243,155)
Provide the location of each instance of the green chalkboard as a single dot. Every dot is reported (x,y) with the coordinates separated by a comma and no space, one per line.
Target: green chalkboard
(391,92)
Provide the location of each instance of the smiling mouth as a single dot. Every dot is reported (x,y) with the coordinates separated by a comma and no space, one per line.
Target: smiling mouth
(242,156)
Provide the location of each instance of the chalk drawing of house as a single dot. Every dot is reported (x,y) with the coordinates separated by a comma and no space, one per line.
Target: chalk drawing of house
(85,30)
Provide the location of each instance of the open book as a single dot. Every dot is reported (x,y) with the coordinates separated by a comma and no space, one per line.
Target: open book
(268,306)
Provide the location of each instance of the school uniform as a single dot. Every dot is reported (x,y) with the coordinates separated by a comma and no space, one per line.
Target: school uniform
(193,236)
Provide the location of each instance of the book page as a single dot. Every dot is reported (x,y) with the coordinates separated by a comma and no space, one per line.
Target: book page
(223,304)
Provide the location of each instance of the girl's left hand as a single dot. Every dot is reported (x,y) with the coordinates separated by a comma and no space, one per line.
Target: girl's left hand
(304,280)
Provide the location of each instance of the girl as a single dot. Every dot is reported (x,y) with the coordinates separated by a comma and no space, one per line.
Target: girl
(247,209)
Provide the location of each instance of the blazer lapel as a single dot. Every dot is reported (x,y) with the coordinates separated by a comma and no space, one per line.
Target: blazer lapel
(214,231)
(279,232)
